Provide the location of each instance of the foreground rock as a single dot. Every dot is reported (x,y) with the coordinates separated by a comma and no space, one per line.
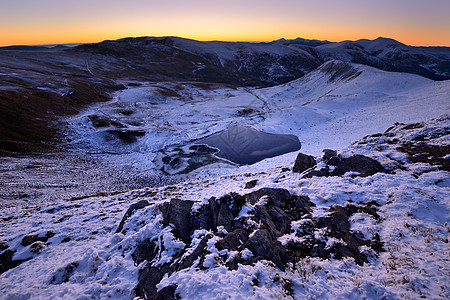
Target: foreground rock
(245,229)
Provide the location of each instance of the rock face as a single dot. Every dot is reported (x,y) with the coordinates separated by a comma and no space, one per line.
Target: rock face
(255,226)
(364,165)
(303,162)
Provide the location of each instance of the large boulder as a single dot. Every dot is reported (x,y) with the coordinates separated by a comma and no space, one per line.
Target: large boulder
(177,213)
(303,162)
(336,165)
(364,165)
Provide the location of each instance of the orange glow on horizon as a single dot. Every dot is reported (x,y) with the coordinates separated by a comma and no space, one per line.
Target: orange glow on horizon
(50,39)
(30,22)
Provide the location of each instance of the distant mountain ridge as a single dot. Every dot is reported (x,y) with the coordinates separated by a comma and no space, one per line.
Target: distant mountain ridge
(252,63)
(63,81)
(283,60)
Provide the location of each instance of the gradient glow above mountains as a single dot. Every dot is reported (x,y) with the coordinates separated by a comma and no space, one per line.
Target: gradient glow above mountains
(412,22)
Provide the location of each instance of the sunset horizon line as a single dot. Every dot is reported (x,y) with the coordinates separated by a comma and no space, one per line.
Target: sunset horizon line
(95,41)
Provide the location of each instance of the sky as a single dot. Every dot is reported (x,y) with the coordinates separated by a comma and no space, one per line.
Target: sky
(413,22)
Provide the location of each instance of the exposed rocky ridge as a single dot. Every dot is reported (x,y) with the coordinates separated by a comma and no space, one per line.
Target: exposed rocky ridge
(265,230)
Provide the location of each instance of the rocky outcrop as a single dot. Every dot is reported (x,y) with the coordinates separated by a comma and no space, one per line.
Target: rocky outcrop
(336,165)
(255,226)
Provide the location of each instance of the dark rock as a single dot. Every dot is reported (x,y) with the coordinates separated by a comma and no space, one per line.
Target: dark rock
(166,293)
(234,202)
(364,165)
(102,121)
(328,153)
(303,204)
(339,227)
(225,217)
(275,220)
(6,261)
(337,222)
(274,217)
(334,161)
(37,247)
(140,205)
(318,251)
(126,136)
(188,261)
(233,240)
(303,162)
(317,173)
(376,243)
(30,239)
(148,279)
(435,155)
(205,218)
(233,263)
(3,245)
(63,275)
(264,247)
(251,184)
(361,164)
(49,234)
(178,213)
(214,206)
(276,196)
(368,208)
(146,250)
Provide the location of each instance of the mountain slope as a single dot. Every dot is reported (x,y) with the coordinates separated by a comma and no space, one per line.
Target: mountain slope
(347,236)
(341,98)
(390,55)
(61,82)
(331,106)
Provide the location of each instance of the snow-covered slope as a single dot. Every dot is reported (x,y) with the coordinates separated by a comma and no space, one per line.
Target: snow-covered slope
(73,249)
(340,101)
(330,107)
(390,55)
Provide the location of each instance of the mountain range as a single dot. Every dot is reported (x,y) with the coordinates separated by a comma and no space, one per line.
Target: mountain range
(37,84)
